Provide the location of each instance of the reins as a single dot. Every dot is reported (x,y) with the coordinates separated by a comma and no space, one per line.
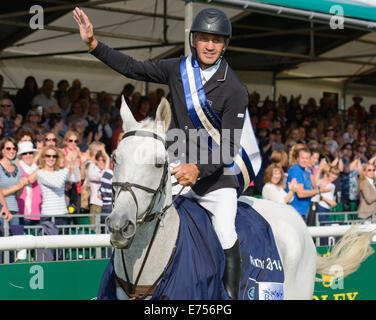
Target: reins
(148,216)
(131,289)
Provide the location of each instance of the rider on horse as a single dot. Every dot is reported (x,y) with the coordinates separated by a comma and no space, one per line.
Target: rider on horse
(206,76)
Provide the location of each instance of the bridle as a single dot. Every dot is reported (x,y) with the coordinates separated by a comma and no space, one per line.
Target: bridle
(147,216)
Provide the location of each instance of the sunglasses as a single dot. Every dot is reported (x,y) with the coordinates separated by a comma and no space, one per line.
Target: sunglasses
(5,105)
(26,153)
(101,160)
(370,170)
(51,139)
(54,156)
(71,140)
(10,148)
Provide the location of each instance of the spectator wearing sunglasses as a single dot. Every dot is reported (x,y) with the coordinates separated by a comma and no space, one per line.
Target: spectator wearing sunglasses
(11,179)
(33,118)
(39,133)
(30,200)
(50,139)
(367,192)
(71,140)
(52,179)
(11,124)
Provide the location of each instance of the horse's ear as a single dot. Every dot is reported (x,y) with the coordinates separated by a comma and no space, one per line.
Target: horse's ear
(163,114)
(127,116)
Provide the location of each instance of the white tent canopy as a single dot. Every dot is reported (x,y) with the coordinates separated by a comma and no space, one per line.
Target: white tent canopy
(131,23)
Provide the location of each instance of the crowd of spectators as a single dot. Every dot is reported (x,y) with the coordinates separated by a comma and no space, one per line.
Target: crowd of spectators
(57,141)
(316,155)
(55,150)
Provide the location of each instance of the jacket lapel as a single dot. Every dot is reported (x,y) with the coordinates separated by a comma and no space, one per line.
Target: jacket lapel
(218,77)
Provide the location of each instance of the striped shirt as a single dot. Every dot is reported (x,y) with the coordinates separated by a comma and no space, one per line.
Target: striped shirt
(52,186)
(105,190)
(8,180)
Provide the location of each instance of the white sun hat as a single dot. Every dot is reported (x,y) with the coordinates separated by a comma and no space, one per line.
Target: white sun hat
(26,146)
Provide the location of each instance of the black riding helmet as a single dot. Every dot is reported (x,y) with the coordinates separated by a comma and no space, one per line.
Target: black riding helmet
(211,20)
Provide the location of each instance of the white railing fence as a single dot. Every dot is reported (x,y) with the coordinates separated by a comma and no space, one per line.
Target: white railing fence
(73,246)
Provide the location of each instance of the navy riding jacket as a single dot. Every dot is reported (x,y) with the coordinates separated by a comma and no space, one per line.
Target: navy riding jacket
(225,92)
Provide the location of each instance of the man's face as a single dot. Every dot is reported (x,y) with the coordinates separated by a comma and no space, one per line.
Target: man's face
(304,159)
(209,47)
(6,107)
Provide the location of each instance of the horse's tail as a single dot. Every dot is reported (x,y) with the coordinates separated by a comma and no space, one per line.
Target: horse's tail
(347,255)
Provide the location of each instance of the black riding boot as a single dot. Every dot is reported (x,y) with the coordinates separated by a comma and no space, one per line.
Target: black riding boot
(231,277)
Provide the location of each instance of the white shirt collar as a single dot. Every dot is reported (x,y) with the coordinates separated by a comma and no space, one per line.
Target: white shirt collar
(208,73)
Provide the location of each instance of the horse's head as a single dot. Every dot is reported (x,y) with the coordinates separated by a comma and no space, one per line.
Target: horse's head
(140,173)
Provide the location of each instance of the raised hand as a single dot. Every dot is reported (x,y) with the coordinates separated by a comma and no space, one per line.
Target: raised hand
(86,28)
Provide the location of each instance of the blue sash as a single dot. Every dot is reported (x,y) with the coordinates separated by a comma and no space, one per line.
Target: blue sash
(247,162)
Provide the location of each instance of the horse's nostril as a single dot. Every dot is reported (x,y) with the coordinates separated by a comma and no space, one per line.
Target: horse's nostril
(129,229)
(120,226)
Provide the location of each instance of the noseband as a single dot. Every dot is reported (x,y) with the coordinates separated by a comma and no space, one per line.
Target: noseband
(148,215)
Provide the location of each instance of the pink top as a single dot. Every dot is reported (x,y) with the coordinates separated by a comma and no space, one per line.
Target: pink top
(30,200)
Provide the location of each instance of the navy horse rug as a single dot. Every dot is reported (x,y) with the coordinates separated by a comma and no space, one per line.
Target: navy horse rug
(196,269)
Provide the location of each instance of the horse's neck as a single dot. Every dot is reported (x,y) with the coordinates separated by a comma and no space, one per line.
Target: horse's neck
(161,249)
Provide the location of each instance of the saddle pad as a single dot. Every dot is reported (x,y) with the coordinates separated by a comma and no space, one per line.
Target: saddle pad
(196,270)
(262,270)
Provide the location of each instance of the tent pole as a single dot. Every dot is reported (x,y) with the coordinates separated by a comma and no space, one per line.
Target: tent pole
(312,40)
(165,26)
(187,25)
